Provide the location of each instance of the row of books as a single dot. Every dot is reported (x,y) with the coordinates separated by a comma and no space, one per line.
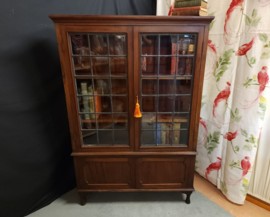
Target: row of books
(91,102)
(189,8)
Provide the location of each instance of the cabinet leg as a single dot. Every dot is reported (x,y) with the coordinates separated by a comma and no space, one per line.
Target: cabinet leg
(188,193)
(83,198)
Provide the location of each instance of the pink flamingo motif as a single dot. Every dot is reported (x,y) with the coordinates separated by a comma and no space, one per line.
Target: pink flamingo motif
(222,96)
(243,49)
(234,4)
(263,80)
(213,166)
(245,165)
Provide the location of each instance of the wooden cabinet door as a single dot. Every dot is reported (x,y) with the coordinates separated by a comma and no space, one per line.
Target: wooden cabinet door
(168,72)
(98,83)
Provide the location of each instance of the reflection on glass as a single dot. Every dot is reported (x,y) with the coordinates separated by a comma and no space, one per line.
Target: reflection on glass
(98,44)
(102,86)
(117,44)
(148,121)
(149,65)
(80,44)
(149,44)
(119,104)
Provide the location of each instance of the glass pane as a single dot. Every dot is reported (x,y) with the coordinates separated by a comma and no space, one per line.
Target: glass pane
(120,137)
(166,103)
(183,86)
(105,121)
(120,121)
(148,137)
(98,44)
(102,86)
(182,103)
(166,42)
(166,86)
(103,104)
(79,44)
(186,44)
(88,121)
(165,66)
(149,86)
(102,98)
(89,137)
(117,44)
(149,65)
(119,86)
(105,137)
(149,44)
(183,137)
(185,66)
(100,65)
(148,121)
(119,104)
(118,65)
(148,104)
(82,64)
(164,133)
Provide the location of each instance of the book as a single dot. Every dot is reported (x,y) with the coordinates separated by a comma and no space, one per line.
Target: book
(186,11)
(173,59)
(190,11)
(187,3)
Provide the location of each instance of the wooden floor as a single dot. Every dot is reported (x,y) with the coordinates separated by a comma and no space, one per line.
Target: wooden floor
(210,191)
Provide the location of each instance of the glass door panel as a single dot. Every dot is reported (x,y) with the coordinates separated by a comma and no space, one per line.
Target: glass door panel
(101,76)
(166,79)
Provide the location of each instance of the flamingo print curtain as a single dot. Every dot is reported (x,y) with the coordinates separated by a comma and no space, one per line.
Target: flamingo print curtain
(235,93)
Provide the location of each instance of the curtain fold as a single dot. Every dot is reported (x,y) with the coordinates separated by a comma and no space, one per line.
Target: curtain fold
(235,93)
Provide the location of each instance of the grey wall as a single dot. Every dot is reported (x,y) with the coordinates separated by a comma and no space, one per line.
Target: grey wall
(35,162)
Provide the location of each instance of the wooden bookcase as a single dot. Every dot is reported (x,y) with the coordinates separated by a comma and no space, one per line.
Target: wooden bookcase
(109,61)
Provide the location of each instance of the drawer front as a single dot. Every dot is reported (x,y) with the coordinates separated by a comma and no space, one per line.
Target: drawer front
(165,172)
(101,173)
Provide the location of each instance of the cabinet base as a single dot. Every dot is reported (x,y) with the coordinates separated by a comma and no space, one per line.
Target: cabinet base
(83,195)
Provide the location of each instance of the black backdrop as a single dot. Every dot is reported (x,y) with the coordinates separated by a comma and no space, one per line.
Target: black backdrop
(35,162)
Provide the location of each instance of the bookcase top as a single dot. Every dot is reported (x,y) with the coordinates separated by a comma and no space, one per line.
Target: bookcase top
(134,19)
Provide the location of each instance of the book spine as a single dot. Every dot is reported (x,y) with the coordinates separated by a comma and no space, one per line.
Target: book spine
(182,4)
(186,13)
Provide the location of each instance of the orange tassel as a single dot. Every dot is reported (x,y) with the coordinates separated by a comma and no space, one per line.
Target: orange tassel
(137,111)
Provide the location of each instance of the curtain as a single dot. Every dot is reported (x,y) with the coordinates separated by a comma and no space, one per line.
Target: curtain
(235,93)
(260,180)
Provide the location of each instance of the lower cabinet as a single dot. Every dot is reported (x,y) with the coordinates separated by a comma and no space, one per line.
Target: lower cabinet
(135,173)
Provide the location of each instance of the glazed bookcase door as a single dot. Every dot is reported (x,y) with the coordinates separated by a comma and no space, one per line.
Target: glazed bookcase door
(101,77)
(167,71)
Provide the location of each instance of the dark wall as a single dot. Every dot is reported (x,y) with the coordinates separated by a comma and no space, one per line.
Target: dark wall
(35,162)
